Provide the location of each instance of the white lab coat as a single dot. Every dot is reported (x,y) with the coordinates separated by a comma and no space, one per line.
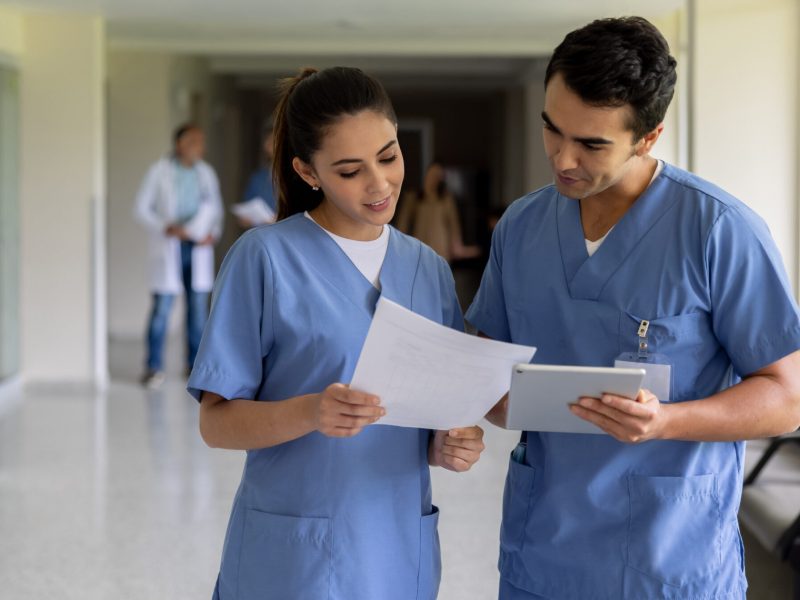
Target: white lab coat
(156,206)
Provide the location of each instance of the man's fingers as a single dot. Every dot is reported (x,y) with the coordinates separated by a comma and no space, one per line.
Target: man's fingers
(617,408)
(627,406)
(622,430)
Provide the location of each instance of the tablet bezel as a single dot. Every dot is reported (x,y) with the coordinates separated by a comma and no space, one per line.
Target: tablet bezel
(539,392)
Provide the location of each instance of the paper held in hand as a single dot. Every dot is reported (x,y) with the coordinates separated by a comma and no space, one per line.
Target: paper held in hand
(255,210)
(430,376)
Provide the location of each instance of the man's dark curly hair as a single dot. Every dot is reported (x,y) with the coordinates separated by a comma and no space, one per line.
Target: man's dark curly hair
(614,62)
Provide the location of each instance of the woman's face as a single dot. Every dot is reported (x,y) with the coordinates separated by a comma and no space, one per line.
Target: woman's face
(359,168)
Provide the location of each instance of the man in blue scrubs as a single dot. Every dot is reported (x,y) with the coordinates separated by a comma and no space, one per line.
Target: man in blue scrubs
(627,259)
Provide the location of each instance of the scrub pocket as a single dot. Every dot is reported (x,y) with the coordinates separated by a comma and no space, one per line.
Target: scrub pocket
(284,557)
(516,501)
(675,532)
(430,557)
(683,339)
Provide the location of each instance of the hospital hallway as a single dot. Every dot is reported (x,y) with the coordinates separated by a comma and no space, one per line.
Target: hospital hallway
(115,496)
(108,492)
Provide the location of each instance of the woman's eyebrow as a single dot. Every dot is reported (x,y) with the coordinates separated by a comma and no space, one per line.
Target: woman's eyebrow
(345,161)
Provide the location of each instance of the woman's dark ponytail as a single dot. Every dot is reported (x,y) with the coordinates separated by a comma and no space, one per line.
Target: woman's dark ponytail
(286,181)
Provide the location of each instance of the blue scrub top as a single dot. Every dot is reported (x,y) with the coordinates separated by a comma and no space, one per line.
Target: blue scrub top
(260,186)
(321,517)
(586,516)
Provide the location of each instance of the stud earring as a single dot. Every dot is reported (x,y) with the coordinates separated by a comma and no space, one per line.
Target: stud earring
(315,188)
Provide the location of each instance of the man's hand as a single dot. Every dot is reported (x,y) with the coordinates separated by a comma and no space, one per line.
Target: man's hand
(631,421)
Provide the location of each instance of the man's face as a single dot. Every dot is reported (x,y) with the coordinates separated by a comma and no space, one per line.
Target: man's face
(191,146)
(589,148)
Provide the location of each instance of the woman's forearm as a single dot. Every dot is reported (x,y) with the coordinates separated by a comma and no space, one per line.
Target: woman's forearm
(248,424)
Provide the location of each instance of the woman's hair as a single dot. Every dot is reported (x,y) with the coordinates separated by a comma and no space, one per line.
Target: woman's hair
(615,62)
(182,129)
(310,102)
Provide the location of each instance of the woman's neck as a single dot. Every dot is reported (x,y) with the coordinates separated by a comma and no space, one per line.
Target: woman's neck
(332,219)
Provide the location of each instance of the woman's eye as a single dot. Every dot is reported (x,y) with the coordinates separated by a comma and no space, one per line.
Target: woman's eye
(349,175)
(389,159)
(591,147)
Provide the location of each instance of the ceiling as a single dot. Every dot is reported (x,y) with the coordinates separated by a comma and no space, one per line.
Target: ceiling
(446,44)
(348,27)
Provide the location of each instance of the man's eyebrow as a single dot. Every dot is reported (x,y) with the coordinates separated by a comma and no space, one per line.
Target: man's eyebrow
(345,161)
(583,140)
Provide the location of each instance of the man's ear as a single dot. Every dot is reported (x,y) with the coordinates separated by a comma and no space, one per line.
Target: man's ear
(646,144)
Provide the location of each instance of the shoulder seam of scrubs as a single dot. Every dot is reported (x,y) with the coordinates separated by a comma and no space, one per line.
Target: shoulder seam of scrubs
(271,275)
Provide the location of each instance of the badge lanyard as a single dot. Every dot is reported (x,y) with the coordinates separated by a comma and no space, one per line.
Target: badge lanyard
(658,377)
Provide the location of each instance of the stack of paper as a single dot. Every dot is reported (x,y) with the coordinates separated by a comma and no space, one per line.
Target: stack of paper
(431,376)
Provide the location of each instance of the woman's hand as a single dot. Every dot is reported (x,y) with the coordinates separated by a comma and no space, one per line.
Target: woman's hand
(457,449)
(341,412)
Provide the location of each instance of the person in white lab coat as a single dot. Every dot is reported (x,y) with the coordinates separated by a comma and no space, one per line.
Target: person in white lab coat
(179,204)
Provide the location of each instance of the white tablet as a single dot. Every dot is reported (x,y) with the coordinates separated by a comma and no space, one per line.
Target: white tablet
(541,394)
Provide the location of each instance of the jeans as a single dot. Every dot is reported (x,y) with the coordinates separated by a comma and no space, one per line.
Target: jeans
(196,315)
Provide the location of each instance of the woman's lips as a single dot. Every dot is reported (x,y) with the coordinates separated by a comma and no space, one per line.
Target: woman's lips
(379,205)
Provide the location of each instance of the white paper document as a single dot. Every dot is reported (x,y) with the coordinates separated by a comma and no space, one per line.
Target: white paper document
(255,210)
(430,376)
(202,224)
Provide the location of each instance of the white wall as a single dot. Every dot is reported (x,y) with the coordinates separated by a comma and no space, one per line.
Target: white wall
(138,133)
(668,146)
(11,33)
(747,109)
(61,185)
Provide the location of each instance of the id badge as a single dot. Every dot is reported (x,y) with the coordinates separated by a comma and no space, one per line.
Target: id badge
(658,372)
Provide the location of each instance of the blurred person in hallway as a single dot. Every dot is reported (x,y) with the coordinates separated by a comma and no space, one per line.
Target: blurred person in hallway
(180,206)
(329,506)
(259,205)
(626,260)
(431,216)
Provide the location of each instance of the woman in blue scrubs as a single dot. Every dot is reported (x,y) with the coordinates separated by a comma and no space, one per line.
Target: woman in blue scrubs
(625,258)
(328,507)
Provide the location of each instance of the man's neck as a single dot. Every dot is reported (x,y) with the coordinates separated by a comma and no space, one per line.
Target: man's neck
(599,213)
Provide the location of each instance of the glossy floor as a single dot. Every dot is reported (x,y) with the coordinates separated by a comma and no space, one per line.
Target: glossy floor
(114,496)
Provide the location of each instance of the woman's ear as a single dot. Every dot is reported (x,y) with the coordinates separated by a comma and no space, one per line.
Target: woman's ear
(305,171)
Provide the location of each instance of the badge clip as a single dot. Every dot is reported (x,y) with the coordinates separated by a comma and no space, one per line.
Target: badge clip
(642,353)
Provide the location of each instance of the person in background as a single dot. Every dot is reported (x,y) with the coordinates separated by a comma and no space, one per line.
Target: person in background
(260,187)
(180,206)
(431,216)
(627,260)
